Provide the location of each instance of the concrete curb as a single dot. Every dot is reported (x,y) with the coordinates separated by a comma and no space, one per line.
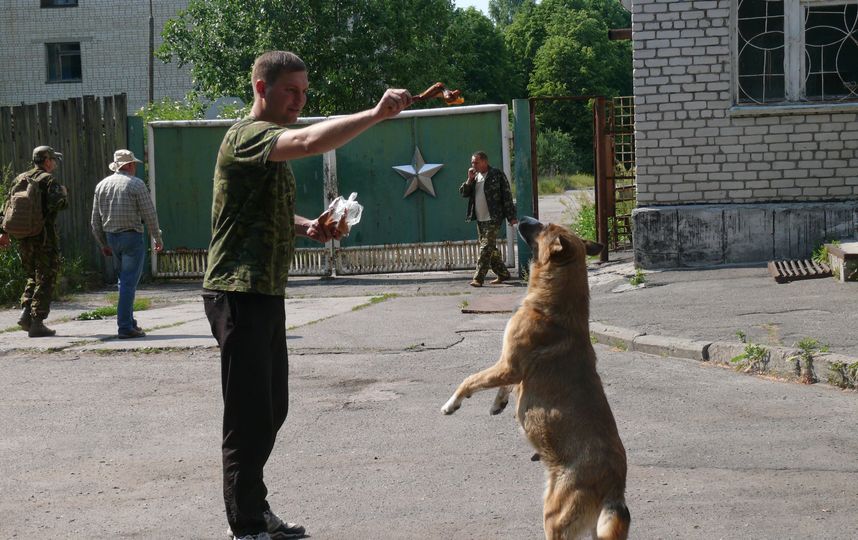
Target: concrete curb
(781,360)
(632,340)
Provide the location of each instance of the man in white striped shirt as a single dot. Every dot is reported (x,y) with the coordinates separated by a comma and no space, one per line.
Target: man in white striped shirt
(120,208)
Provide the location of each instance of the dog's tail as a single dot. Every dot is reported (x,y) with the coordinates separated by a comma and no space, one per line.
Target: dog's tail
(614,521)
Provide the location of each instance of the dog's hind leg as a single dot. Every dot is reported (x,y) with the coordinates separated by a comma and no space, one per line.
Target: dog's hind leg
(614,521)
(499,374)
(568,512)
(501,400)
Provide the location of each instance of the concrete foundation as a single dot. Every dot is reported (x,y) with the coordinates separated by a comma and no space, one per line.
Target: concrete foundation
(712,234)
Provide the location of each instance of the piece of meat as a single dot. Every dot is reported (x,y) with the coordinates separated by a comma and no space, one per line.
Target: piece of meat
(438,90)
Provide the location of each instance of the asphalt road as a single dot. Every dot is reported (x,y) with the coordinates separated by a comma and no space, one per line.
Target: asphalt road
(126,444)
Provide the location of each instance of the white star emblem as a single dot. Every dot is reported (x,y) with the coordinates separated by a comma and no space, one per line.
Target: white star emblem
(419,173)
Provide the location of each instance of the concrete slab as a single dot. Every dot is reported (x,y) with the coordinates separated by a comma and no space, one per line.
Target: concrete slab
(495,303)
(173,327)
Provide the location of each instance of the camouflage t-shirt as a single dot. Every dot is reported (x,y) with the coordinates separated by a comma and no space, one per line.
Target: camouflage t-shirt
(253,213)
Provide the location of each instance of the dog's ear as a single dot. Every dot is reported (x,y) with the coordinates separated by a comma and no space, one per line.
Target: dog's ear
(593,248)
(556,246)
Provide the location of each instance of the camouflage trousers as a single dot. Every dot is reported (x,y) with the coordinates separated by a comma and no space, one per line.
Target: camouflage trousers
(40,258)
(490,257)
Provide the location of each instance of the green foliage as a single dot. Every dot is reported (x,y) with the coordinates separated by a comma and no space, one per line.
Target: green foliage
(820,254)
(556,153)
(743,337)
(353,50)
(169,109)
(638,279)
(807,347)
(140,304)
(843,375)
(502,12)
(585,221)
(754,359)
(563,49)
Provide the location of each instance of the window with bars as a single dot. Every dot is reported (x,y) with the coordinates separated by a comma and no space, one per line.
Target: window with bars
(797,51)
(63,61)
(58,3)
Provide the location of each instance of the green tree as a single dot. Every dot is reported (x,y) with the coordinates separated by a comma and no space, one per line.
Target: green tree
(478,62)
(353,49)
(566,51)
(503,11)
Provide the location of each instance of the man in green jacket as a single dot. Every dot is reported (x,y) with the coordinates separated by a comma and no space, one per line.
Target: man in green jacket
(489,202)
(40,254)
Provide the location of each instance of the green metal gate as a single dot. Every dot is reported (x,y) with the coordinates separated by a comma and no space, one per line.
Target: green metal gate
(398,232)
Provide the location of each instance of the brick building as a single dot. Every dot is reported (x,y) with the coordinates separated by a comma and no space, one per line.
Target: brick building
(746,126)
(56,49)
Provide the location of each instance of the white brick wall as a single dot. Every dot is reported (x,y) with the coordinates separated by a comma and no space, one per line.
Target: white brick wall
(692,149)
(114,42)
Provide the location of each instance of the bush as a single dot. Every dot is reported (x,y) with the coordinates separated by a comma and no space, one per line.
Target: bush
(584,224)
(556,154)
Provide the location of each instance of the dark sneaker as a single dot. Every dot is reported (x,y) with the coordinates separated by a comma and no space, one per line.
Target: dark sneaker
(131,334)
(277,529)
(281,530)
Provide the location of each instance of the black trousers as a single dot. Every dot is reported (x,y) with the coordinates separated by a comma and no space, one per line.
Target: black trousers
(250,330)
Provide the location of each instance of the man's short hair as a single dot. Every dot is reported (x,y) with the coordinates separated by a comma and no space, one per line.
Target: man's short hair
(480,155)
(268,66)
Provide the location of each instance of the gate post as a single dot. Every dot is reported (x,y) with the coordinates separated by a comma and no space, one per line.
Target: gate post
(523,176)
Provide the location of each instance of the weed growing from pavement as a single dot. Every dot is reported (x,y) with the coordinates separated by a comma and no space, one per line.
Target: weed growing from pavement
(843,375)
(140,304)
(463,304)
(754,359)
(638,279)
(820,254)
(807,347)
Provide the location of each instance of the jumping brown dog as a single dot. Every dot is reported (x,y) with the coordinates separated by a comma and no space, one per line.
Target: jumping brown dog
(547,355)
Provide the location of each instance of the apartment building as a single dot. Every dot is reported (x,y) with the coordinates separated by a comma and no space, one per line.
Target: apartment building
(57,49)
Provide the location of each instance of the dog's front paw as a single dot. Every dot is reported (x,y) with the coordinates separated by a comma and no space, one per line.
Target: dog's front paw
(452,405)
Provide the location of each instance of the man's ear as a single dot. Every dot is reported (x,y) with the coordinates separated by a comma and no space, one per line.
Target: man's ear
(593,248)
(259,87)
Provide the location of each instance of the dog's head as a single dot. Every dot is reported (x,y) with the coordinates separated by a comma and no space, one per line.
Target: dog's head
(555,245)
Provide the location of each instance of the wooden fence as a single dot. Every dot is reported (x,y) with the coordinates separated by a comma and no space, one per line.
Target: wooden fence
(86,131)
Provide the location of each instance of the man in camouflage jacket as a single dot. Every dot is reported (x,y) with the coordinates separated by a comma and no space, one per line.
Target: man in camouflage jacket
(253,238)
(489,202)
(40,254)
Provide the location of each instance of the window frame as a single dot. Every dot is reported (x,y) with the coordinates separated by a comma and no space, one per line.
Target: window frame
(49,59)
(50,4)
(795,71)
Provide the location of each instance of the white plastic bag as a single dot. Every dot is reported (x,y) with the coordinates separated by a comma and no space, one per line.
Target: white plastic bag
(349,208)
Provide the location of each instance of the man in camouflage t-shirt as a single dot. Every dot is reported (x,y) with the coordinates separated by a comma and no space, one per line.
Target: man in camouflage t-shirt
(253,237)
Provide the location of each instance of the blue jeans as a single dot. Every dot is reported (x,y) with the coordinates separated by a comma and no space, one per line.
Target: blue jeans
(128,254)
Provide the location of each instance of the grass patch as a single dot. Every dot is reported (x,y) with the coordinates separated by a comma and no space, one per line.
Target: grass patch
(560,183)
(375,300)
(140,304)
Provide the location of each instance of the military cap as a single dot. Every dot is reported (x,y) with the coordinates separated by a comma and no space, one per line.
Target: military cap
(41,153)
